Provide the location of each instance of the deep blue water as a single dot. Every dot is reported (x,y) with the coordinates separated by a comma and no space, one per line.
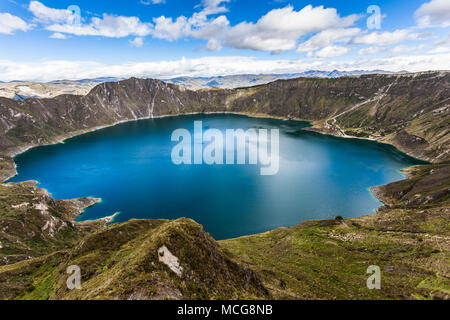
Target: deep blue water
(129,166)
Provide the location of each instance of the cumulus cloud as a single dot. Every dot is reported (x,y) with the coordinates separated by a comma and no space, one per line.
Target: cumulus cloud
(149,2)
(110,26)
(330,52)
(137,42)
(210,66)
(372,50)
(167,28)
(213,45)
(435,12)
(328,37)
(60,21)
(9,24)
(199,25)
(213,7)
(401,49)
(444,42)
(422,36)
(59,36)
(280,29)
(439,50)
(45,14)
(382,38)
(330,34)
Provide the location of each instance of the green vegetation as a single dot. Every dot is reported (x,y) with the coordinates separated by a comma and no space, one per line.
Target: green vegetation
(122,262)
(33,224)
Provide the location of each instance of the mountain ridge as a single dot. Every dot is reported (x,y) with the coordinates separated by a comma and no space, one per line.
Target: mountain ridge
(21,90)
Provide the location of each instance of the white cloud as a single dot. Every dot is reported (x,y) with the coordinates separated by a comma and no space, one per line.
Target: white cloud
(213,45)
(137,42)
(211,66)
(108,26)
(198,26)
(420,36)
(439,50)
(382,38)
(149,2)
(166,28)
(330,52)
(61,21)
(278,30)
(328,37)
(214,6)
(58,35)
(435,12)
(9,24)
(401,49)
(443,42)
(281,28)
(372,50)
(45,14)
(211,30)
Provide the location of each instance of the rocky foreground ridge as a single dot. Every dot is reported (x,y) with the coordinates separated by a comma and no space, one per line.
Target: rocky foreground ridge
(409,238)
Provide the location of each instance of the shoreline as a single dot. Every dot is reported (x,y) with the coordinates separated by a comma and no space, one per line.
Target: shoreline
(109,219)
(61,140)
(106,220)
(323,131)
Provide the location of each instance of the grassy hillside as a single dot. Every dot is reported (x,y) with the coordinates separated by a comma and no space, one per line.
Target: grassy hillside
(123,261)
(409,239)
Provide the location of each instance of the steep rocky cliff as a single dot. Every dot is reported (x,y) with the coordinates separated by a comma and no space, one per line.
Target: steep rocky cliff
(33,224)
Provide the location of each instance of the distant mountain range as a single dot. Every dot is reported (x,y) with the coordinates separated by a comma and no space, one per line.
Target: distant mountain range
(21,90)
(247,80)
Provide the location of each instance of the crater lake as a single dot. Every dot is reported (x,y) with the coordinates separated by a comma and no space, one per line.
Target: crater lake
(129,167)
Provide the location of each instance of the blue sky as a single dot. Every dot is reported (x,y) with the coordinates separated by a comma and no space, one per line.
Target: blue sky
(42,40)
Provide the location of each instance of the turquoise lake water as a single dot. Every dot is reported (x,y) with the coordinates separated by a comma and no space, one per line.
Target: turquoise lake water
(129,166)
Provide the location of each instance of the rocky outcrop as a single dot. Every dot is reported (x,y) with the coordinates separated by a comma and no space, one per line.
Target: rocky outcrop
(32,223)
(123,261)
(138,259)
